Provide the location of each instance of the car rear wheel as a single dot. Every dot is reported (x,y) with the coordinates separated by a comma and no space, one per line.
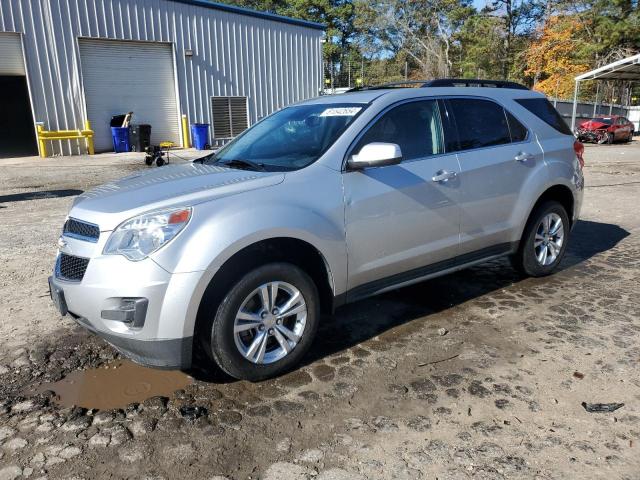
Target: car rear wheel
(544,240)
(265,323)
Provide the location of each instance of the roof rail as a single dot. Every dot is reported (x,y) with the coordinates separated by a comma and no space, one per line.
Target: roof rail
(445,82)
(473,82)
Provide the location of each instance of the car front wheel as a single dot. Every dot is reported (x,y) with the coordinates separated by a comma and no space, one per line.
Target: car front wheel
(265,323)
(544,240)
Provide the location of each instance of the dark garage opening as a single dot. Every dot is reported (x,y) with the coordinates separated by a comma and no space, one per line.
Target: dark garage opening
(17,132)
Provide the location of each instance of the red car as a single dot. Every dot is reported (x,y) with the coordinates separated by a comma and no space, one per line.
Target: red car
(613,128)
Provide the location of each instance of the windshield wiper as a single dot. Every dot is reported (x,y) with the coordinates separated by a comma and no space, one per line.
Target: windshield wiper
(244,165)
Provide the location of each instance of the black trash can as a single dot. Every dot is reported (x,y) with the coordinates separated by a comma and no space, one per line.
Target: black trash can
(140,137)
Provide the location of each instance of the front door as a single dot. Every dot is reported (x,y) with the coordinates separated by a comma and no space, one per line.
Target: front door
(404,217)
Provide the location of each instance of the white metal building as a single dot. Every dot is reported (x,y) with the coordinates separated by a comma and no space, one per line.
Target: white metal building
(65,61)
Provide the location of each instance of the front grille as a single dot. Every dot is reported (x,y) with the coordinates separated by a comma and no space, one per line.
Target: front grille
(71,268)
(82,230)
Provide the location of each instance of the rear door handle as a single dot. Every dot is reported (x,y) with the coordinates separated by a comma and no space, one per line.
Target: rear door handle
(443,176)
(523,157)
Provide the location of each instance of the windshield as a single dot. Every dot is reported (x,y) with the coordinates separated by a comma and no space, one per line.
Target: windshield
(608,121)
(289,139)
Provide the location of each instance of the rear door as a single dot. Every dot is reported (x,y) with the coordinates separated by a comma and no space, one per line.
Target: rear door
(399,219)
(623,128)
(497,155)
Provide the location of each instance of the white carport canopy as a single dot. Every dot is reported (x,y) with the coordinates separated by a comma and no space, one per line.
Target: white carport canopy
(627,69)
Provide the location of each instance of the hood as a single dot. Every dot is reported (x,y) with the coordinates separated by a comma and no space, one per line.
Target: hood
(174,185)
(593,125)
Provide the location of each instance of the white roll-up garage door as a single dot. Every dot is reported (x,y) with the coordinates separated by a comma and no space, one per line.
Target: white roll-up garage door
(11,59)
(120,77)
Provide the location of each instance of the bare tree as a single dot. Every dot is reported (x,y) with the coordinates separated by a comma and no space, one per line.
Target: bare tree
(420,28)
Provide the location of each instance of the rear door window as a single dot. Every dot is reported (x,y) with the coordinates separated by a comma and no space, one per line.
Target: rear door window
(414,126)
(542,108)
(480,123)
(518,130)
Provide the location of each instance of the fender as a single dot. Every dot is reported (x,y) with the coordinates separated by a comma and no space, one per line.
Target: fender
(559,173)
(221,228)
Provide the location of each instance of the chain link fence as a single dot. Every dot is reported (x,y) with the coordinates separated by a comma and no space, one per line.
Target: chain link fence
(342,76)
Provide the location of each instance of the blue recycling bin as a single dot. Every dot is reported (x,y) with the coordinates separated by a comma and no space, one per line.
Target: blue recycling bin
(120,136)
(200,135)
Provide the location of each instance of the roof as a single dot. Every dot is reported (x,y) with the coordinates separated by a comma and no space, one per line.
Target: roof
(253,13)
(625,69)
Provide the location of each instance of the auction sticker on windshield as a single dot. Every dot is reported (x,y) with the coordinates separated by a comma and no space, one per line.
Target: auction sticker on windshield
(340,112)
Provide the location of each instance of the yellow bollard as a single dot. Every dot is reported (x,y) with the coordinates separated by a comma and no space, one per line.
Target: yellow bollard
(87,126)
(185,132)
(41,143)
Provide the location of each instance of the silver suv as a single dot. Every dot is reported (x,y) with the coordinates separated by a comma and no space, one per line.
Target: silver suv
(322,203)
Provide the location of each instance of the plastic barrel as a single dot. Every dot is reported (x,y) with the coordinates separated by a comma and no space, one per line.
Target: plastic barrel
(120,137)
(200,135)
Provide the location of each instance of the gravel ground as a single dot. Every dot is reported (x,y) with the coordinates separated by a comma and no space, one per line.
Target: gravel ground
(479,374)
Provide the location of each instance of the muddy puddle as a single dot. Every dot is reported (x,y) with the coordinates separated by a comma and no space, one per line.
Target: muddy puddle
(114,385)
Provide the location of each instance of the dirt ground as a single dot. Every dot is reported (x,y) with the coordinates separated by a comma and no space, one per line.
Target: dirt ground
(382,395)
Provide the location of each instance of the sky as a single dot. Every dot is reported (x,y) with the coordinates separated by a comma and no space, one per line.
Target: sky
(480,3)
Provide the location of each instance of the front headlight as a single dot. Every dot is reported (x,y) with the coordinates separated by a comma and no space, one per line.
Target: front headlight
(140,236)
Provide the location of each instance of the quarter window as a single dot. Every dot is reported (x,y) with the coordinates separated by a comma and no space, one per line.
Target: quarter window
(480,123)
(414,126)
(542,108)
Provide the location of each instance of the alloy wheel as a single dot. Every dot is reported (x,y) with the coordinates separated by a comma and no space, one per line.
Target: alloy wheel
(549,238)
(270,322)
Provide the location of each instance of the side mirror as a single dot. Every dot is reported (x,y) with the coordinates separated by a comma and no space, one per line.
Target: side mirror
(376,154)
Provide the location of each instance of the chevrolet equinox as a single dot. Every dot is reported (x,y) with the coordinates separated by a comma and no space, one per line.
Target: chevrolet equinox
(321,203)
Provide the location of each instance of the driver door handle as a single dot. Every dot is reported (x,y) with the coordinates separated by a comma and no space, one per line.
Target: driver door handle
(443,176)
(523,157)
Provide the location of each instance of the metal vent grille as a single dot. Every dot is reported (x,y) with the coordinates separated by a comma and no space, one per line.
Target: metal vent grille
(229,116)
(71,268)
(82,230)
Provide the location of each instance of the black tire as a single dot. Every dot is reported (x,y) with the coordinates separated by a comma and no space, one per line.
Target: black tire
(610,138)
(148,160)
(217,333)
(160,161)
(525,259)
(630,137)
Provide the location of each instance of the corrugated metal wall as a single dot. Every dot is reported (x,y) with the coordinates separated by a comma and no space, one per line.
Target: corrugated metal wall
(273,63)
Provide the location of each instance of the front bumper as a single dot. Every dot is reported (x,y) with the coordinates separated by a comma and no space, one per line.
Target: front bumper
(592,136)
(164,337)
(175,353)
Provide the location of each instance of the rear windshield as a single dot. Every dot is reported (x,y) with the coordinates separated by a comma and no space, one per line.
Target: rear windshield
(542,108)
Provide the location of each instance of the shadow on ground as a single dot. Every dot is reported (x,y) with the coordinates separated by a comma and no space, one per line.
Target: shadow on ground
(363,320)
(40,195)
